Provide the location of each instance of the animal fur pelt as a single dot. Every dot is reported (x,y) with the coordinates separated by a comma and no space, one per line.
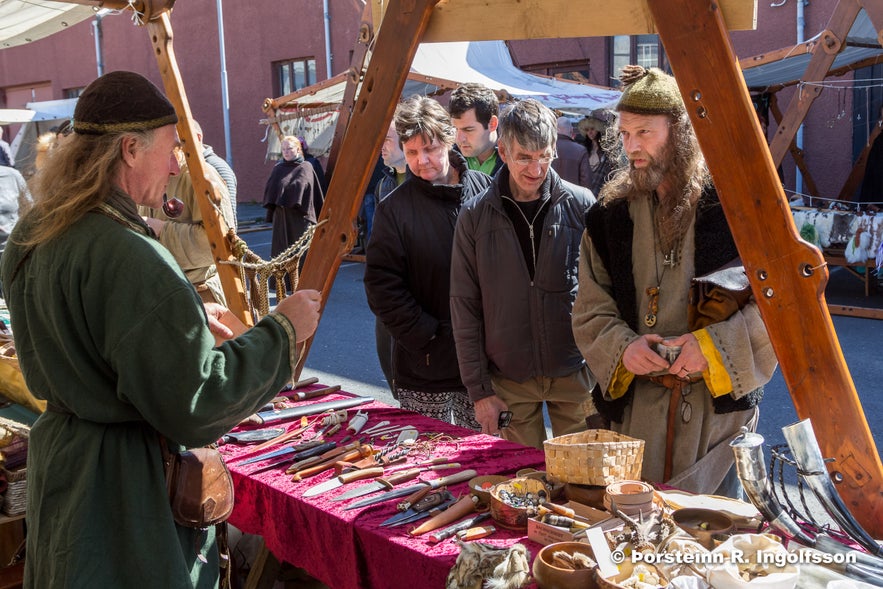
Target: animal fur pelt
(482,565)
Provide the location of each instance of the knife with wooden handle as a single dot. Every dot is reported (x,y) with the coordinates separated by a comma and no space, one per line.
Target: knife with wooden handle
(396,493)
(343,479)
(391,480)
(463,506)
(321,466)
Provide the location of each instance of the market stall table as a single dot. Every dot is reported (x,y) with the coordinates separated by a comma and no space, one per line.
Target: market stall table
(348,549)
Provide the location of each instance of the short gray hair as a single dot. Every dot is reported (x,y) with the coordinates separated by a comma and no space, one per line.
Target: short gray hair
(530,123)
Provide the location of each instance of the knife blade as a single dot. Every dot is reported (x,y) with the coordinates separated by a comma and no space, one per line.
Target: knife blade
(388,482)
(251,437)
(396,493)
(271,417)
(283,451)
(343,479)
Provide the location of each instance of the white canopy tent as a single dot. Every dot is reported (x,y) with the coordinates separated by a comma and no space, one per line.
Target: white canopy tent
(312,112)
(23,21)
(489,63)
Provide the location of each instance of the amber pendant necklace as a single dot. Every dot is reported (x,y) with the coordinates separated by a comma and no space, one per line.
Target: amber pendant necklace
(669,260)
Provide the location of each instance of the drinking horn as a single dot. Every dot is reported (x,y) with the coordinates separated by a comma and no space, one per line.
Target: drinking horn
(750,466)
(811,466)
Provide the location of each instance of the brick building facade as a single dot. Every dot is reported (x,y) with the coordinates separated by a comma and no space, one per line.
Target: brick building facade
(272,46)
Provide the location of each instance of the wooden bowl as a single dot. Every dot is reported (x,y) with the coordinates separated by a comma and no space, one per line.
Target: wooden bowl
(481,486)
(550,576)
(515,518)
(703,524)
(555,489)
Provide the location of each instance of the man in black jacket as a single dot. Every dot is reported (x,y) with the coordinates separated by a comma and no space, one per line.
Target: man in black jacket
(513,283)
(408,263)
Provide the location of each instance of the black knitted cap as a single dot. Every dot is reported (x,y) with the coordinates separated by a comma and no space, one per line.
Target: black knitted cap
(121,102)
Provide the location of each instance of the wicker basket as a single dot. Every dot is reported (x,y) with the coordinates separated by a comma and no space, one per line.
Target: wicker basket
(593,457)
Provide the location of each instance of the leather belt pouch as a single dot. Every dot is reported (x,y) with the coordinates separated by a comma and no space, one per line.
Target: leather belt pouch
(716,296)
(200,487)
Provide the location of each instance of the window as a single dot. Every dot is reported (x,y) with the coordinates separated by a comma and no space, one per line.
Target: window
(294,75)
(643,50)
(575,70)
(73,92)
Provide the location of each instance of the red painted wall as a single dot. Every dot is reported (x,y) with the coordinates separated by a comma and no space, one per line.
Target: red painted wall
(260,32)
(256,34)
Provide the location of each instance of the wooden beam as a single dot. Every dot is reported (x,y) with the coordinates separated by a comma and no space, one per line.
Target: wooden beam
(394,50)
(747,63)
(850,311)
(220,237)
(788,276)
(858,169)
(486,20)
(823,55)
(353,78)
(796,153)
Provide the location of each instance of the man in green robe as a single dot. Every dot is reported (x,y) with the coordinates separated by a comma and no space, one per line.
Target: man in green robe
(110,332)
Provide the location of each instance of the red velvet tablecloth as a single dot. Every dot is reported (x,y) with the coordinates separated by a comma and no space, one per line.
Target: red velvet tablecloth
(348,549)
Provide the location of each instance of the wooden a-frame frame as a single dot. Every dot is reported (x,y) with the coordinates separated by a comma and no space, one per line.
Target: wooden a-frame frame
(788,276)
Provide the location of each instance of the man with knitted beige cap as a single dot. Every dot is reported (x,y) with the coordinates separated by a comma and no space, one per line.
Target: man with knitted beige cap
(685,390)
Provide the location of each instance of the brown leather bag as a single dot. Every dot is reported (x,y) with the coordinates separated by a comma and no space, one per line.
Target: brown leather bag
(716,296)
(200,486)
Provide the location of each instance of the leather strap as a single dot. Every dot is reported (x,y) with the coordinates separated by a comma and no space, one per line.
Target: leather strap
(673,403)
(676,386)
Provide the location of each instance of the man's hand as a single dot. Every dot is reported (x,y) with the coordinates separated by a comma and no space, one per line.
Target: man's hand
(487,413)
(640,356)
(216,313)
(302,309)
(690,360)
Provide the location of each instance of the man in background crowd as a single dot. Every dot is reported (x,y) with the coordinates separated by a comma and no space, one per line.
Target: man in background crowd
(394,173)
(475,113)
(572,162)
(6,158)
(221,166)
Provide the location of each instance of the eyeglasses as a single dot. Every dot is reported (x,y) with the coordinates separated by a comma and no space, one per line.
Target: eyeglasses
(543,161)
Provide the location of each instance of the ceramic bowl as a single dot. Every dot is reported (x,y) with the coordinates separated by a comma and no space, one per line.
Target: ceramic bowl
(703,524)
(550,576)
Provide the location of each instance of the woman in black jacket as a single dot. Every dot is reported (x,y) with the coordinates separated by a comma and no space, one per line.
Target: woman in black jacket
(408,264)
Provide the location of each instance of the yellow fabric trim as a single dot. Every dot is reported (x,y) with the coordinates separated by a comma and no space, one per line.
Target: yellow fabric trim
(620,382)
(715,376)
(292,339)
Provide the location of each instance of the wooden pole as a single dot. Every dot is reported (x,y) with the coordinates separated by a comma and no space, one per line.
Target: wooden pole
(220,237)
(395,47)
(788,276)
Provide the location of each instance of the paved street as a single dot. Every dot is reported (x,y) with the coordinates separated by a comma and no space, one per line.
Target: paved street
(343,351)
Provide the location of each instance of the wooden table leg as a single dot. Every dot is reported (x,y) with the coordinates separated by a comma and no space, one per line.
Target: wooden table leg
(264,571)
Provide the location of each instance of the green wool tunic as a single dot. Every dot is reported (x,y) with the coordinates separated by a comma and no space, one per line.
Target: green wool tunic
(108,329)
